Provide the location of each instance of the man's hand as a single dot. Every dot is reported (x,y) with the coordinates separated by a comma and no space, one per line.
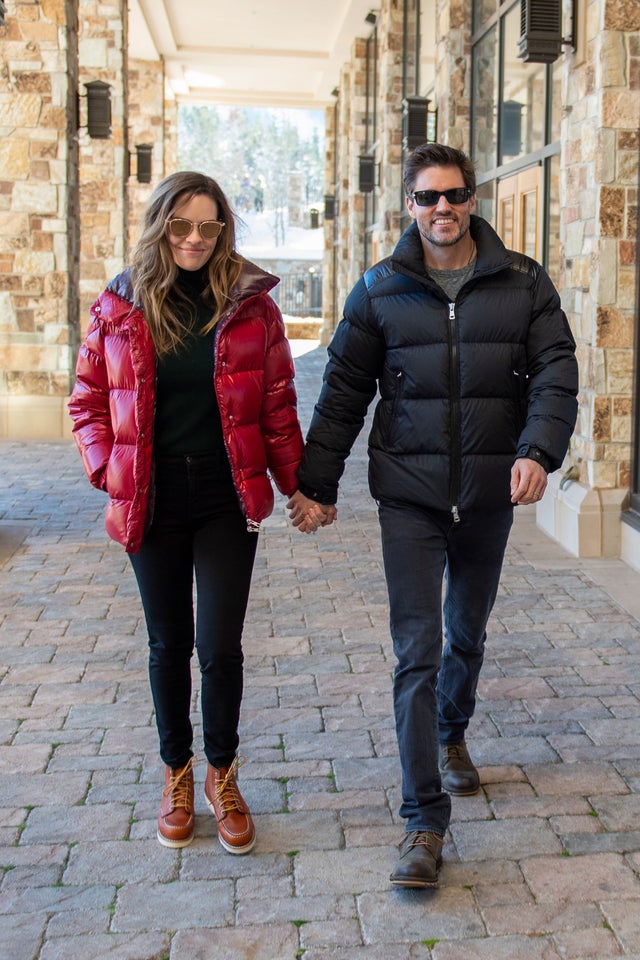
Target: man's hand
(528,481)
(307,515)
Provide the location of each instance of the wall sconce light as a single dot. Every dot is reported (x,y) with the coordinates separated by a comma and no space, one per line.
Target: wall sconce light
(329,206)
(98,109)
(371,17)
(335,92)
(418,123)
(367,173)
(144,155)
(541,31)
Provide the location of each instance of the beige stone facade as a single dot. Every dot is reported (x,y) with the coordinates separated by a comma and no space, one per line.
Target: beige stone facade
(70,205)
(38,196)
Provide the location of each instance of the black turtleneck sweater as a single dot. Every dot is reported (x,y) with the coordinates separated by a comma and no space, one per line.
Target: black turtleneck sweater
(187,419)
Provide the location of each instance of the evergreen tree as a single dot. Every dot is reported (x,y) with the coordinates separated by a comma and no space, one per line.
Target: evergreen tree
(252,153)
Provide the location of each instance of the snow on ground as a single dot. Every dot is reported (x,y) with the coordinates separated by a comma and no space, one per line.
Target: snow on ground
(256,239)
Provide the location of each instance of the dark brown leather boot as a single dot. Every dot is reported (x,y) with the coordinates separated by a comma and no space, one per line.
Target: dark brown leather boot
(420,860)
(459,776)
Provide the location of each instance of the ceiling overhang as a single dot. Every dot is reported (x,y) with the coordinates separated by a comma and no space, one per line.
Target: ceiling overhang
(284,53)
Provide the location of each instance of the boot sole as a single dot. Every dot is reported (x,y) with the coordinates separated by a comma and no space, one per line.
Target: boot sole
(173,843)
(231,849)
(469,792)
(419,884)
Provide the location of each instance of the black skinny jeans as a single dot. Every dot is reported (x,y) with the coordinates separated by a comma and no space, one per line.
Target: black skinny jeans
(197,525)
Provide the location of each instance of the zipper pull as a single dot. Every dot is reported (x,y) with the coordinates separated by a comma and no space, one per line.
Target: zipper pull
(456,515)
(452,311)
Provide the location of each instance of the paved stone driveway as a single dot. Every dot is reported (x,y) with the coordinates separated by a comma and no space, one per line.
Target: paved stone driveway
(543,864)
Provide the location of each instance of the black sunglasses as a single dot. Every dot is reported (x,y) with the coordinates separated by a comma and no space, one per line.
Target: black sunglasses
(429,198)
(208,229)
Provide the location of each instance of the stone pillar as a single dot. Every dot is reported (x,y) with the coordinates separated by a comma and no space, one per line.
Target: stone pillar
(453,72)
(38,215)
(145,115)
(391,55)
(355,133)
(329,304)
(351,138)
(599,197)
(103,163)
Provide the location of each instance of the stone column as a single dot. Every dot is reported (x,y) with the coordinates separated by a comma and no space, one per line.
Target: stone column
(329,304)
(453,72)
(146,120)
(38,215)
(103,163)
(356,138)
(351,141)
(599,197)
(391,55)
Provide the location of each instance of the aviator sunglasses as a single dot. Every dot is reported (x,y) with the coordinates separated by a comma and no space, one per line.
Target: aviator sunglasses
(429,198)
(181,227)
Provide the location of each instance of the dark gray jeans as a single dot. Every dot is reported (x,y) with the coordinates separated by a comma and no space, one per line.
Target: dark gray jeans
(434,690)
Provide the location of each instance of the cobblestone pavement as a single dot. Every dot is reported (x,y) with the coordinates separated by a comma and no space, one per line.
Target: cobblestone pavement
(543,864)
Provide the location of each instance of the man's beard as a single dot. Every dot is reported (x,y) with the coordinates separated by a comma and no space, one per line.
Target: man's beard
(442,241)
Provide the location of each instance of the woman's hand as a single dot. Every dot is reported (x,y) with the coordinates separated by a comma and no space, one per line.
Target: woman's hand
(307,515)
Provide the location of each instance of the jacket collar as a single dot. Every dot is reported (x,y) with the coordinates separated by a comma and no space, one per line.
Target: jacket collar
(252,281)
(492,253)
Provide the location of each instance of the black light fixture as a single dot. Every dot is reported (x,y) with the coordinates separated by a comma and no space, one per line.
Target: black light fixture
(144,154)
(367,173)
(98,109)
(329,206)
(371,17)
(415,117)
(540,31)
(335,92)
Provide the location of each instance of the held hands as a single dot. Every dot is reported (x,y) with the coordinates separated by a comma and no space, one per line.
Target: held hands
(307,515)
(528,481)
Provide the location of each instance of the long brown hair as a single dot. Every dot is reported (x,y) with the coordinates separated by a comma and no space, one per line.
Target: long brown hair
(154,271)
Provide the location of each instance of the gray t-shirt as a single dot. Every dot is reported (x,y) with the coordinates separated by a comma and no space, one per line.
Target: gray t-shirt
(451,281)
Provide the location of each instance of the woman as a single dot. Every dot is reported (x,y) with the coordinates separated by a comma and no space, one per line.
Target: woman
(184,399)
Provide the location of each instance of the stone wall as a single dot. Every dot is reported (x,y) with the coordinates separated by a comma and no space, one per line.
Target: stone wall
(601,147)
(453,72)
(329,297)
(390,57)
(103,163)
(38,197)
(146,120)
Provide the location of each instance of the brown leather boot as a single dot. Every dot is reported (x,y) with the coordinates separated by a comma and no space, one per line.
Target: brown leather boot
(177,814)
(236,831)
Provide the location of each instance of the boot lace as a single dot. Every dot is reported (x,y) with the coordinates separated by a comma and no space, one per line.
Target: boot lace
(227,793)
(179,790)
(425,838)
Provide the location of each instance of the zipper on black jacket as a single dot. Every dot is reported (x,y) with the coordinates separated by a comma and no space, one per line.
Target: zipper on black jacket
(456,452)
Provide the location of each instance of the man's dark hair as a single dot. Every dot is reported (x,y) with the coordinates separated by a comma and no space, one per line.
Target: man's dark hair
(437,155)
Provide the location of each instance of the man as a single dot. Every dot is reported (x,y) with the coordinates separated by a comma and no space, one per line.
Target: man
(474,361)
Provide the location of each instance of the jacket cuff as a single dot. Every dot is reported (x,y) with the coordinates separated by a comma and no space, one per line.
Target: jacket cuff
(314,494)
(535,453)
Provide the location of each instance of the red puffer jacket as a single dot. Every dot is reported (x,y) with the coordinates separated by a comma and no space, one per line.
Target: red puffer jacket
(112,403)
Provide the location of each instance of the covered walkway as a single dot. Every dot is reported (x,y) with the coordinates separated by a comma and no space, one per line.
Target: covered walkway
(543,863)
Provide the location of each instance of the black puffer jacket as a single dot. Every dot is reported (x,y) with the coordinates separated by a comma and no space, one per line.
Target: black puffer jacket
(464,387)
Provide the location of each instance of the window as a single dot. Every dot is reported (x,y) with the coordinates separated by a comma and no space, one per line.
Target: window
(515,133)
